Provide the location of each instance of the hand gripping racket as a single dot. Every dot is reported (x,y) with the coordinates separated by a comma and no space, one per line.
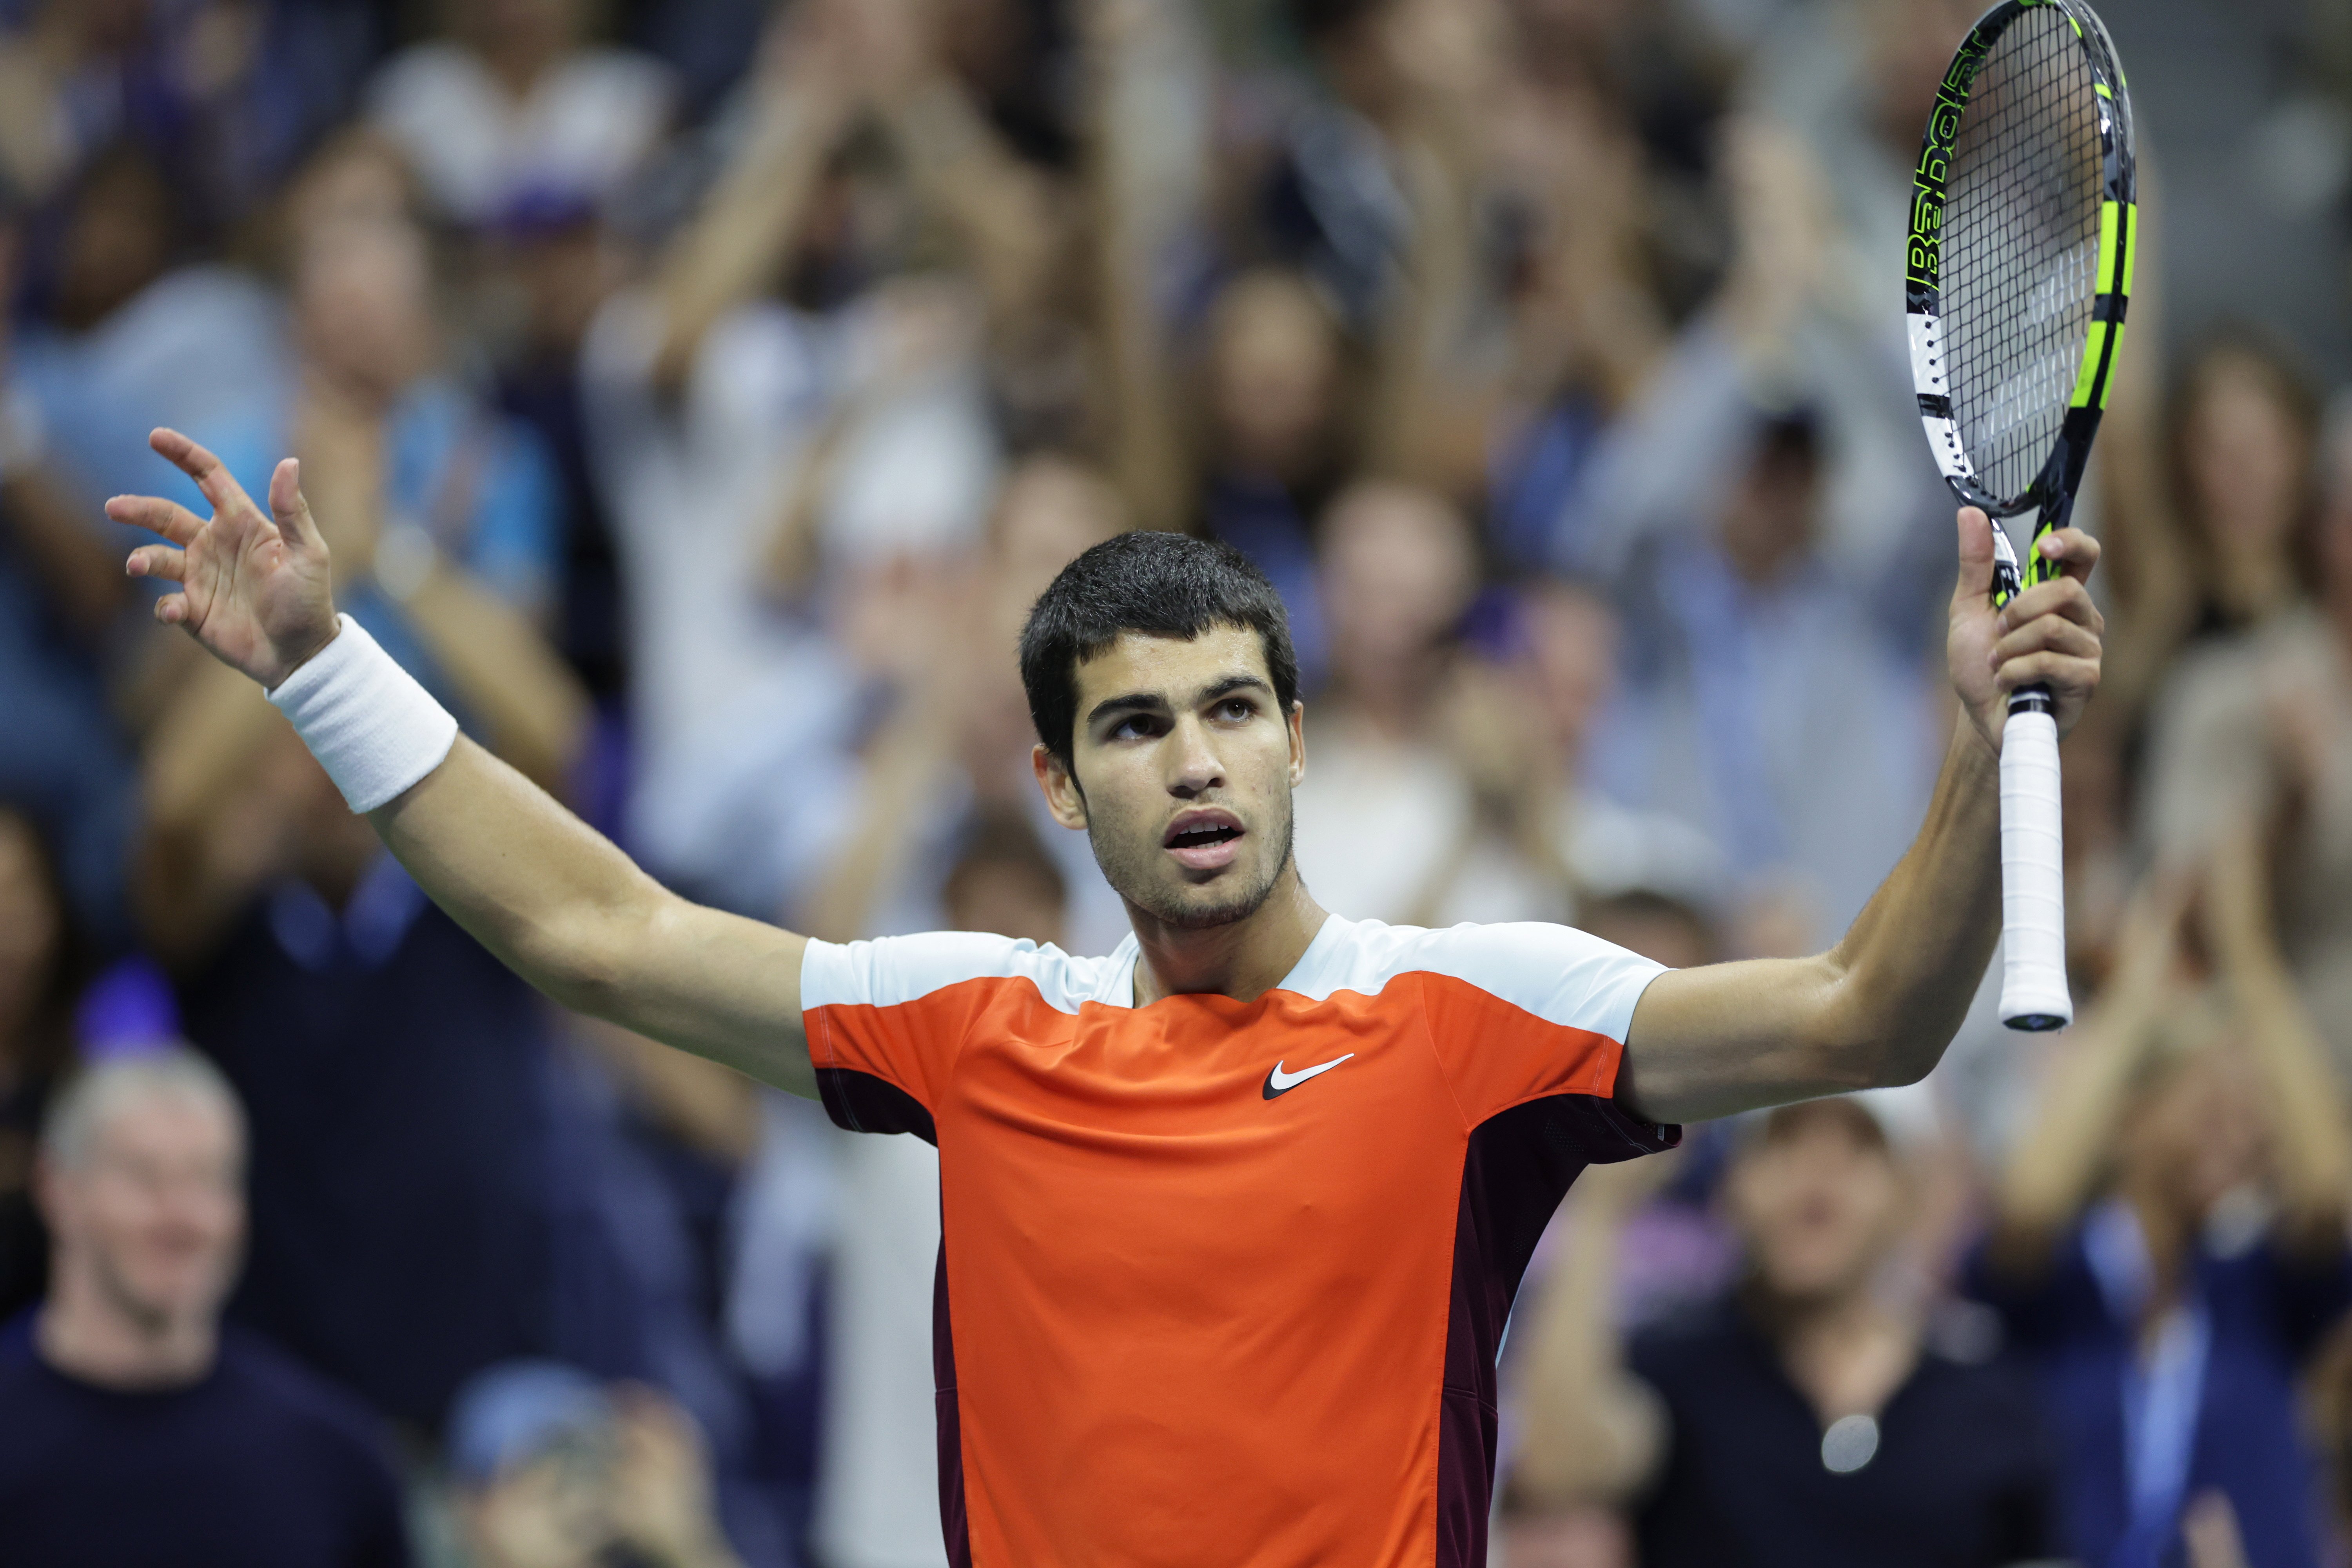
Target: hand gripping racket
(2022,234)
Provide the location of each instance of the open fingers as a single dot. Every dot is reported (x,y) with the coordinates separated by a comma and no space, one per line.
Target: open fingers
(158,561)
(156,515)
(212,476)
(291,509)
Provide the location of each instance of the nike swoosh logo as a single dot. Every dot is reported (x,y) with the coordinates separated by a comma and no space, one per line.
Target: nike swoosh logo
(1279,1082)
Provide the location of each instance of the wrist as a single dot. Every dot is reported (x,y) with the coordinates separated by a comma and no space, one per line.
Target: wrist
(1973,744)
(375,731)
(311,650)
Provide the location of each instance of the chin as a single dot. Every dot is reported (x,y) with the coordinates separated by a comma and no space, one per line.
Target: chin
(178,1294)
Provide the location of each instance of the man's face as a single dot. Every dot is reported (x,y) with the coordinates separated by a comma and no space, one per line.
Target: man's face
(1818,1203)
(1184,769)
(154,1208)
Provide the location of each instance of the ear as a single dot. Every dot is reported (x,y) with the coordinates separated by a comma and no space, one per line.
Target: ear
(1297,742)
(1062,796)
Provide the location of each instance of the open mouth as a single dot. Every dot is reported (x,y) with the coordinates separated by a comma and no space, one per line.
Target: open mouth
(1203,840)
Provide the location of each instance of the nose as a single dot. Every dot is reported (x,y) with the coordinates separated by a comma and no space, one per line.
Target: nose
(1197,769)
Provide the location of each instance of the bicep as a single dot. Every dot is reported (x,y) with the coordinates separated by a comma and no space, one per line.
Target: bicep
(1727,1038)
(563,905)
(722,986)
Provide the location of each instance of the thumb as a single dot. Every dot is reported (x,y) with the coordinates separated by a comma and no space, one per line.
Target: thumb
(289,509)
(1976,555)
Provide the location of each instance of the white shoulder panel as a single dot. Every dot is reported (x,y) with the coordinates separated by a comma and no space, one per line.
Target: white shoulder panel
(895,968)
(1563,975)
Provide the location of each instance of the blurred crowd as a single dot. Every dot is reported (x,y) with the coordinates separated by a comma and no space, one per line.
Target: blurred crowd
(695,394)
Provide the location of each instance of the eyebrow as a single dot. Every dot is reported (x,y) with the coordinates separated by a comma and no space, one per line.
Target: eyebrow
(1152,702)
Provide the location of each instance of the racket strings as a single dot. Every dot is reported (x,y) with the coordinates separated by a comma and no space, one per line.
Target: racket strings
(2020,252)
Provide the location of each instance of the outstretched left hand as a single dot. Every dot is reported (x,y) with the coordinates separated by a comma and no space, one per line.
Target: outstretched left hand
(2047,634)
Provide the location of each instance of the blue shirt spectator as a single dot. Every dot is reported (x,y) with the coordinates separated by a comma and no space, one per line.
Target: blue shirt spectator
(2214,1409)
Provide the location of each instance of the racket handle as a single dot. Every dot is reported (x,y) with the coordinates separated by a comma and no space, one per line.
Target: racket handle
(2033,884)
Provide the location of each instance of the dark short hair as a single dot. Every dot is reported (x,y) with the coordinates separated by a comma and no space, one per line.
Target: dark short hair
(1157,584)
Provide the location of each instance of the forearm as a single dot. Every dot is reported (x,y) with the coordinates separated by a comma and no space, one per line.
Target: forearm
(558,903)
(1878,1008)
(541,890)
(1590,1429)
(1911,963)
(963,170)
(80,573)
(1148,460)
(2313,1143)
(738,244)
(906,762)
(2056,1165)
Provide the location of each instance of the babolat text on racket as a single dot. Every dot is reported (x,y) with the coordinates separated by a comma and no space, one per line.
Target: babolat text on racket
(2022,234)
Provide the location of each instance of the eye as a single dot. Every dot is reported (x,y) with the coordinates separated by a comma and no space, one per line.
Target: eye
(1236,709)
(1136,726)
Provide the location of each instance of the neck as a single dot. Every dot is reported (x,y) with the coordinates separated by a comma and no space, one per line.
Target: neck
(1394,702)
(517,63)
(1244,959)
(332,393)
(88,1335)
(1846,1352)
(2165,1232)
(2253,583)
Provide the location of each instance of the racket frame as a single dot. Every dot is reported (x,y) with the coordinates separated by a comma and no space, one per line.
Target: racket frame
(2025,1005)
(2054,487)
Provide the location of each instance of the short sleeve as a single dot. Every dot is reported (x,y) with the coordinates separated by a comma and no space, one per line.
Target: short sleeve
(887,1018)
(1526,1010)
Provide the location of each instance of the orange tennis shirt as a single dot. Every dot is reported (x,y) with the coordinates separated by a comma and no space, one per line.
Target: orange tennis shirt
(1223,1282)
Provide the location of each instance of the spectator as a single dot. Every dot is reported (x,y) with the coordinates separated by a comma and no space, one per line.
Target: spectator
(515,106)
(1803,1418)
(1398,573)
(43,963)
(2261,722)
(2233,547)
(139,1429)
(553,1470)
(1734,633)
(1565,677)
(955,747)
(442,513)
(2168,1240)
(954,754)
(765,425)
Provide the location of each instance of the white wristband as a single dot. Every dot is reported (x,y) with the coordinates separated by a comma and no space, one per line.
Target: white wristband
(373,728)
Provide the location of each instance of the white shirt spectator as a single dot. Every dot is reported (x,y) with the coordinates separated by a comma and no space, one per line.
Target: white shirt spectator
(744,710)
(585,125)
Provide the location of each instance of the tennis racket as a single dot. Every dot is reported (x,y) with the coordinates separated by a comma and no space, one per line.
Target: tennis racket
(2022,233)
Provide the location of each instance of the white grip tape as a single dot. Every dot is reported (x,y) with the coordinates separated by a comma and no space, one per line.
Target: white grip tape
(373,728)
(2033,884)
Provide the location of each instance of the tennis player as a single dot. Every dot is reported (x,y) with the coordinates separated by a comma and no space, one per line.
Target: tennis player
(1234,1217)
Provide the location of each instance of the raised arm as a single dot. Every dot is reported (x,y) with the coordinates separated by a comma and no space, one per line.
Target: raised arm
(1880,1006)
(736,245)
(552,897)
(2311,1140)
(1591,1431)
(2056,1165)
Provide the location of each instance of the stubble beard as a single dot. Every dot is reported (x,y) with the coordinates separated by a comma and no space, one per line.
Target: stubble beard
(1130,878)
